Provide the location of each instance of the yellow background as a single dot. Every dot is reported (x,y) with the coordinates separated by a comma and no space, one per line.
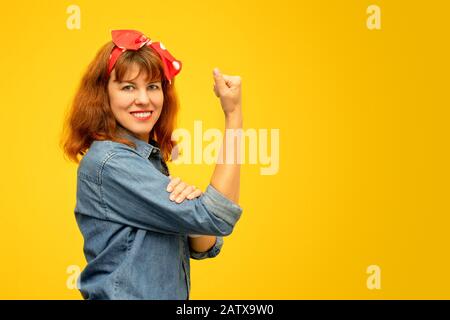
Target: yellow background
(363,118)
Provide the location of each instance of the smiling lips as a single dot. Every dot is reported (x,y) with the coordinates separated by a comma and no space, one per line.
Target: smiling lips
(141,115)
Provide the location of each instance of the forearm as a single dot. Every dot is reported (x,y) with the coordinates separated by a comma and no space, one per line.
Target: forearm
(226,175)
(202,244)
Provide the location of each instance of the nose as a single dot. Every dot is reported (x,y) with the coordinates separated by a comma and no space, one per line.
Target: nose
(142,97)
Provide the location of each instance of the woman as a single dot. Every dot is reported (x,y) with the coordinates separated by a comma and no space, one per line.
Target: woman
(140,226)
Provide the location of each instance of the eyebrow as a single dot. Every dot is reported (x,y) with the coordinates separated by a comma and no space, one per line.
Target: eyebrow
(135,83)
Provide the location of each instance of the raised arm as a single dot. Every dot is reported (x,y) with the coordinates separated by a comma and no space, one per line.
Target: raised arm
(226,175)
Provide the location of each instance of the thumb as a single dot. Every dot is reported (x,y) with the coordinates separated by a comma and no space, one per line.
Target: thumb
(219,80)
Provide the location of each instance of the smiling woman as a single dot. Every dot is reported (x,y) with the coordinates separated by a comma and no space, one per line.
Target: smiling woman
(137,238)
(136,103)
(102,95)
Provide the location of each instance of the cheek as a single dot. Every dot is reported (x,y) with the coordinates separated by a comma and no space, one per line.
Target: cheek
(120,101)
(157,99)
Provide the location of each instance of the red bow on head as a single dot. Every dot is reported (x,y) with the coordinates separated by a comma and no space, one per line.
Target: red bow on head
(134,40)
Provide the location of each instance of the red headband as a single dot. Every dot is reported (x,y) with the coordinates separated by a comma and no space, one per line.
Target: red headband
(134,40)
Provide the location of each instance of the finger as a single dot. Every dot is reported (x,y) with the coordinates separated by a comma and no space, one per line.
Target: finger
(228,80)
(177,190)
(197,193)
(185,193)
(215,91)
(232,80)
(219,80)
(172,184)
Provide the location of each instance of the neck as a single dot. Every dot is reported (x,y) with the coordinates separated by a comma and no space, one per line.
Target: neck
(121,130)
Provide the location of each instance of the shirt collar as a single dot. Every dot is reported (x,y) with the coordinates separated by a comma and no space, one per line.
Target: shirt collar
(143,148)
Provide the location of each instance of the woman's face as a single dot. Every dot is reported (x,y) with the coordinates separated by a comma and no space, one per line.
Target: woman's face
(135,103)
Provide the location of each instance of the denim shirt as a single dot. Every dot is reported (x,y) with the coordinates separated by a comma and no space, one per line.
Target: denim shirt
(136,238)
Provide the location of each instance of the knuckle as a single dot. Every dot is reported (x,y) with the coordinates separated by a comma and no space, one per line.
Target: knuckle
(179,188)
(174,181)
(187,191)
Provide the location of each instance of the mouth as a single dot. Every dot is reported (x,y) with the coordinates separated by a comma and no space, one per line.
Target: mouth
(142,115)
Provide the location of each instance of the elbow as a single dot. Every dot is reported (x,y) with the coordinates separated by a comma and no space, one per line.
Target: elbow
(222,229)
(222,208)
(226,231)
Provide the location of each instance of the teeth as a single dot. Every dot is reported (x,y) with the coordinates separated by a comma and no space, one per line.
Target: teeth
(141,114)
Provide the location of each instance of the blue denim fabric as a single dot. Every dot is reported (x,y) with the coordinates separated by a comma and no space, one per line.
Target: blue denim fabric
(135,238)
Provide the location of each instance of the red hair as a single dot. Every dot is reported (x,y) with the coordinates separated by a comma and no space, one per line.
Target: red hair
(90,117)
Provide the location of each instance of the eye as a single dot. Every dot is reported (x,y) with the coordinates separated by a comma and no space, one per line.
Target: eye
(154,86)
(127,88)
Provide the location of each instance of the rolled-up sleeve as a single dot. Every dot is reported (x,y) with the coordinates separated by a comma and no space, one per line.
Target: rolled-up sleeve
(134,193)
(211,253)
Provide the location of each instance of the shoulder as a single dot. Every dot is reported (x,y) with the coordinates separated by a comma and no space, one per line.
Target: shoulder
(102,154)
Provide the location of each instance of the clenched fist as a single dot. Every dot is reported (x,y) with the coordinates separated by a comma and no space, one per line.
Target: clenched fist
(228,89)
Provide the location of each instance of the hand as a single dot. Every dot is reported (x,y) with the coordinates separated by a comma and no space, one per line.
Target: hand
(228,89)
(181,191)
